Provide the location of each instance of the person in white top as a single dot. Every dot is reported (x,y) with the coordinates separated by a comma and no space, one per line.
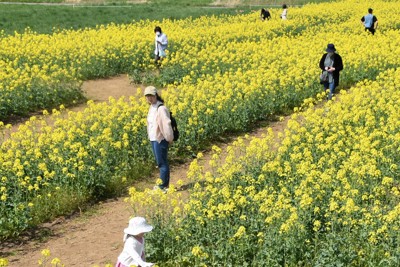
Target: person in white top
(133,252)
(160,133)
(160,43)
(284,12)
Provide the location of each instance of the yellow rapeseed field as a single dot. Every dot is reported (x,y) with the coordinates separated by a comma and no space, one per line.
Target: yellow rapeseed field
(327,196)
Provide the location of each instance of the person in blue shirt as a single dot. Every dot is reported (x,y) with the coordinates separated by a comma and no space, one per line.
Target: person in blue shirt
(370,21)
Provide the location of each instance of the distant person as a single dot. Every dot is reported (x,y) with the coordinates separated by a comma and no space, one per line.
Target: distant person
(370,22)
(332,63)
(160,133)
(265,14)
(284,12)
(133,252)
(161,43)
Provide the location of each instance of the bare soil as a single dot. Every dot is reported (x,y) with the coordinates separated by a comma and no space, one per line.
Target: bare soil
(94,237)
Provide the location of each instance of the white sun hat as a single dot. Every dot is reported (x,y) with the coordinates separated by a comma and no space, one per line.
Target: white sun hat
(137,225)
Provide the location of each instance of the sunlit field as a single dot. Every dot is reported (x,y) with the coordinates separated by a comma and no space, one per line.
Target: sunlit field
(326,195)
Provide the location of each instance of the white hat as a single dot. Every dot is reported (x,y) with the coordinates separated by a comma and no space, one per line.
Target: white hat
(150,90)
(138,225)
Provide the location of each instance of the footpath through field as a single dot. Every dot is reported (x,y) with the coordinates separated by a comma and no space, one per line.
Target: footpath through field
(95,237)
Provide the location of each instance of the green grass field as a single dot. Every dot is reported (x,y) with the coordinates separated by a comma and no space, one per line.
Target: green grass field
(89,13)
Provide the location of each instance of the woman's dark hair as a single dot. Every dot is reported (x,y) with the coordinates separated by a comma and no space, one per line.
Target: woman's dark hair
(159,98)
(157,29)
(284,6)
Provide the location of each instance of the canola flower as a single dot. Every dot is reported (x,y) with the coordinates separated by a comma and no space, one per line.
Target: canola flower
(332,181)
(3,262)
(45,260)
(329,183)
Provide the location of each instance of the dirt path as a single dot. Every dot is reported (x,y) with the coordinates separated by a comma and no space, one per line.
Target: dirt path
(95,237)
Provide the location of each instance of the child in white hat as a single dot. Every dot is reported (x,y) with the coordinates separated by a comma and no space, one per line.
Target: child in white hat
(133,252)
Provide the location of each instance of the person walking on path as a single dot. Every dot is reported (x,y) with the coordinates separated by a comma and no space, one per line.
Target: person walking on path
(161,43)
(133,252)
(160,133)
(332,63)
(370,21)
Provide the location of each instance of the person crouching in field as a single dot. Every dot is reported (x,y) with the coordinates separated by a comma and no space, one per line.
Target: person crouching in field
(133,252)
(265,14)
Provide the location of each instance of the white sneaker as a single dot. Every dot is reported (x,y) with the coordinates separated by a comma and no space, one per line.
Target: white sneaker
(156,187)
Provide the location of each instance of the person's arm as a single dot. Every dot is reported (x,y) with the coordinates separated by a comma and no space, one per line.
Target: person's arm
(156,46)
(132,246)
(338,63)
(375,22)
(321,62)
(362,21)
(164,123)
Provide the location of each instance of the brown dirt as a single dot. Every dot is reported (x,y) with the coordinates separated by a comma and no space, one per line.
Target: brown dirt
(94,237)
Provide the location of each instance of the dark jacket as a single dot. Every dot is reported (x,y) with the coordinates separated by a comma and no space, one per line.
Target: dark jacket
(265,14)
(337,64)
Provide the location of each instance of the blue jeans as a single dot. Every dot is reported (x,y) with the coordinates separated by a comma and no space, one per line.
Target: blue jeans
(331,87)
(160,151)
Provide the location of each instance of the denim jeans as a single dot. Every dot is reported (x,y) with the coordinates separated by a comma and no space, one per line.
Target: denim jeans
(331,87)
(160,151)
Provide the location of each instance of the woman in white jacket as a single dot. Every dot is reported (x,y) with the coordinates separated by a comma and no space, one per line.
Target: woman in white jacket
(161,43)
(160,133)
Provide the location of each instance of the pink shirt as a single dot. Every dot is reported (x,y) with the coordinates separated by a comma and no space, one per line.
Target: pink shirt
(159,123)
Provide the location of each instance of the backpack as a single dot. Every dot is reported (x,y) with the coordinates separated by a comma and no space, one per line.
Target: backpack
(174,125)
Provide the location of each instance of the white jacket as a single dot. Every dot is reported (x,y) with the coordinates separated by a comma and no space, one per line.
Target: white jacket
(164,43)
(159,123)
(132,253)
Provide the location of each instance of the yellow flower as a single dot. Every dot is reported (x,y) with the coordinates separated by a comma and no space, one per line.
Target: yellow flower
(196,251)
(240,232)
(45,252)
(3,262)
(317,225)
(56,262)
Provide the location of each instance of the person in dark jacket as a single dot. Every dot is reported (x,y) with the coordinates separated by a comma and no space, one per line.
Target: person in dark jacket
(265,14)
(332,63)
